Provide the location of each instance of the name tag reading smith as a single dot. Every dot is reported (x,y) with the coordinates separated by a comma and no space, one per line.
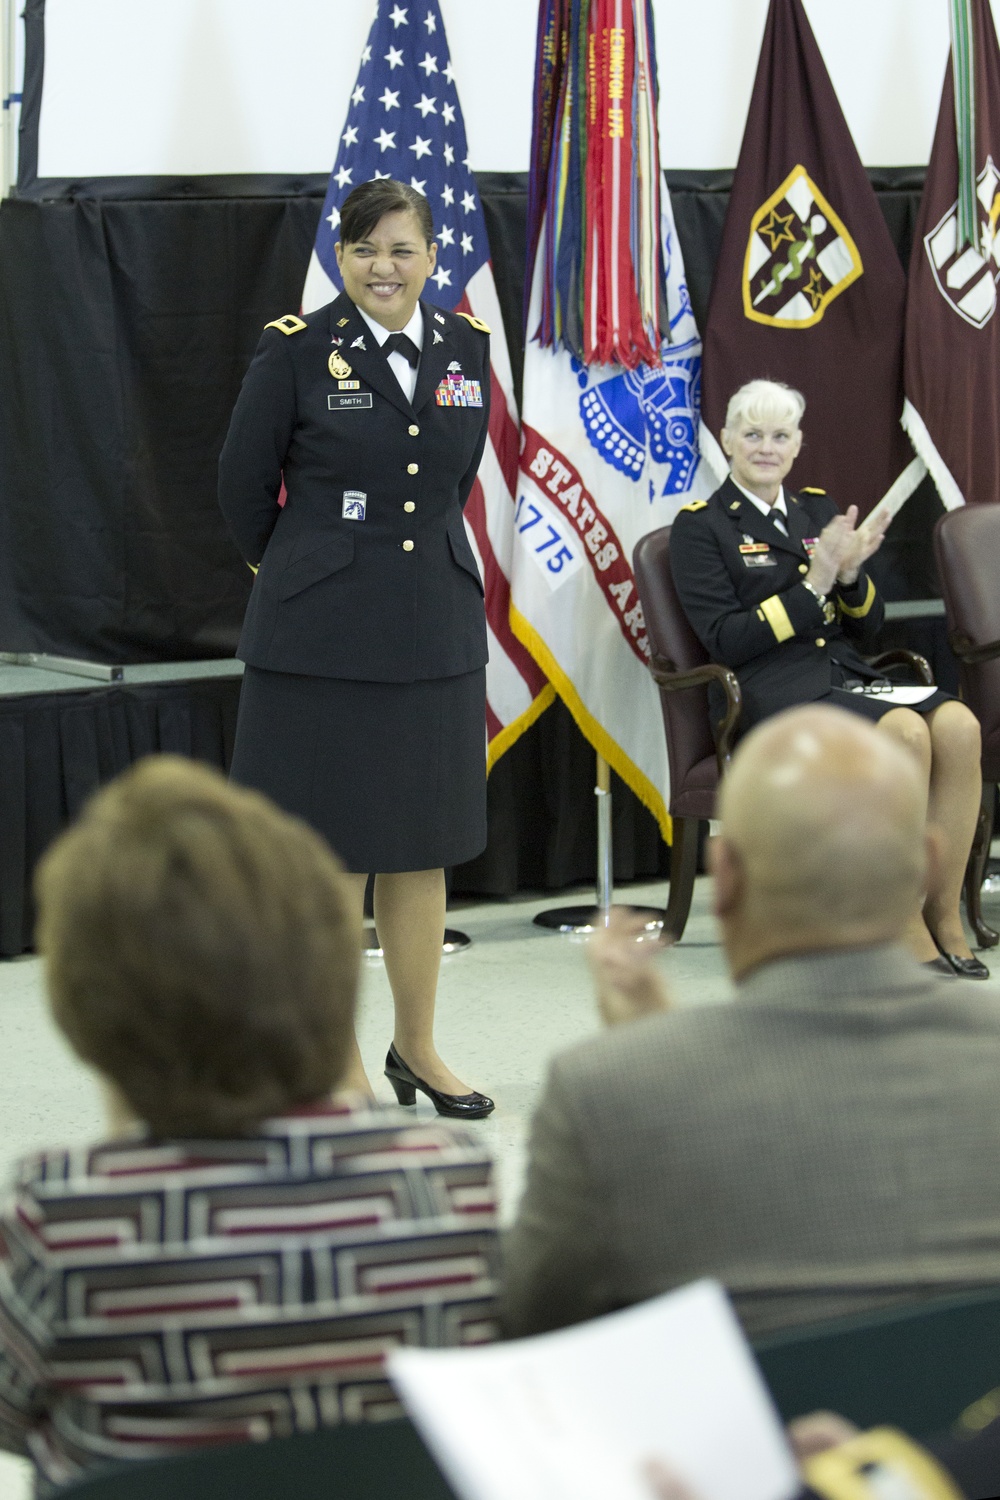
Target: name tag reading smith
(342,401)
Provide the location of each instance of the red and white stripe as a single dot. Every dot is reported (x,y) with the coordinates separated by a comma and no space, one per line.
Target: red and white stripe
(514,681)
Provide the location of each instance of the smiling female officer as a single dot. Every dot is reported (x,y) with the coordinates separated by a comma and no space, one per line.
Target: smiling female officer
(363,702)
(775,587)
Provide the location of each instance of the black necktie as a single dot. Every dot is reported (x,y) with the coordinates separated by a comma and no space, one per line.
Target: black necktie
(399,343)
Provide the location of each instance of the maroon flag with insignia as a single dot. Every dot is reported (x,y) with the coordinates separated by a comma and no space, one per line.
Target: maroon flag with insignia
(808,288)
(952,373)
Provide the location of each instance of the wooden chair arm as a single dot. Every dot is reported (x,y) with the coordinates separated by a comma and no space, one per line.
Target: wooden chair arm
(670,680)
(903,658)
(968,652)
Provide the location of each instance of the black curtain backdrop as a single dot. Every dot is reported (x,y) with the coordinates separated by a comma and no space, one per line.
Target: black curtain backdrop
(126,324)
(57,748)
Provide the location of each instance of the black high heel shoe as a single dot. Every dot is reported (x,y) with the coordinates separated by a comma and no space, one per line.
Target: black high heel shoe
(457,1106)
(939,966)
(965,968)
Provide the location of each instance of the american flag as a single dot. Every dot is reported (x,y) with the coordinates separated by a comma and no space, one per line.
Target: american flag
(405,122)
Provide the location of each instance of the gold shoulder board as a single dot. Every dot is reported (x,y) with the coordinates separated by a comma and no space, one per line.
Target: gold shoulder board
(288,324)
(695,505)
(811,489)
(476,323)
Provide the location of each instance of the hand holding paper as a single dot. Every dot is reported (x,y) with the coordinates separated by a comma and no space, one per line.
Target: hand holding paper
(584,1413)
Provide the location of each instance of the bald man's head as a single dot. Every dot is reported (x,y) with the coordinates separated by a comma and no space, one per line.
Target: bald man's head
(823,835)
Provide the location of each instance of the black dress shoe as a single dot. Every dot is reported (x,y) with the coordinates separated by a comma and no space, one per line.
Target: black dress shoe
(457,1106)
(965,968)
(939,966)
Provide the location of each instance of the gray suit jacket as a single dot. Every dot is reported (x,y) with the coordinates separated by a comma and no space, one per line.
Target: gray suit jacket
(828,1144)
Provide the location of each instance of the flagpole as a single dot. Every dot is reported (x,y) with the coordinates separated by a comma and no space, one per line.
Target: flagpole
(580,920)
(8,137)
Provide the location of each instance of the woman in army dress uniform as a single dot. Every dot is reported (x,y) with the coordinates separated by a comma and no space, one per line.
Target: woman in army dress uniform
(363,702)
(775,587)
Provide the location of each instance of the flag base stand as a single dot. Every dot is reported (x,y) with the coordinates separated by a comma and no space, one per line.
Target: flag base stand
(454,942)
(580,920)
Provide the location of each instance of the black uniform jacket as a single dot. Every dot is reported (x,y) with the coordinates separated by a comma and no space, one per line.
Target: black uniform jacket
(366,572)
(740,582)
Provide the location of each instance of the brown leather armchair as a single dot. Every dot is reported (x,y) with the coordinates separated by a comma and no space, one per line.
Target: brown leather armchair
(967,550)
(697,758)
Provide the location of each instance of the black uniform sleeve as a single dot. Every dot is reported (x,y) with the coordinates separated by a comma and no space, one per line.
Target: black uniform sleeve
(860,611)
(254,451)
(731,633)
(469,477)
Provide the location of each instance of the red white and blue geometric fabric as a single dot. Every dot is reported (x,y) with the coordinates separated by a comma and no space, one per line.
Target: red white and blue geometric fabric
(159,1296)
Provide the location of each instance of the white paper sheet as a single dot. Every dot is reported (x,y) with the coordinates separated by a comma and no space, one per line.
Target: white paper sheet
(902,695)
(574,1415)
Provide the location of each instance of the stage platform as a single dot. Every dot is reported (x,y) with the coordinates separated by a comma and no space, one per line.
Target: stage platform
(24,682)
(63,735)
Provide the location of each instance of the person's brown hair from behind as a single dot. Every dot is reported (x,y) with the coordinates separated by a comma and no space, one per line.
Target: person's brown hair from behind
(202,950)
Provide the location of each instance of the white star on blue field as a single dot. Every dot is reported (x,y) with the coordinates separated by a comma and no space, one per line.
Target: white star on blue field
(405,122)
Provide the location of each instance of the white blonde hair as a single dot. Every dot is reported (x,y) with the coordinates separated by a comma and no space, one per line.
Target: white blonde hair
(764,401)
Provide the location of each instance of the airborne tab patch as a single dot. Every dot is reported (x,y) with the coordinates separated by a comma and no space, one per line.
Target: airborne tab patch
(288,324)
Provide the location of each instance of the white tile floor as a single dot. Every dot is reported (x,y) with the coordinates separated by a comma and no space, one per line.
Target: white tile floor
(509,1002)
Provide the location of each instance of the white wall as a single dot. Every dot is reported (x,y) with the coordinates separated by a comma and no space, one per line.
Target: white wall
(11,73)
(134,87)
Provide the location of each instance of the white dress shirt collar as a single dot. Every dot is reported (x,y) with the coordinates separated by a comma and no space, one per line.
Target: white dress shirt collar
(398,363)
(778,512)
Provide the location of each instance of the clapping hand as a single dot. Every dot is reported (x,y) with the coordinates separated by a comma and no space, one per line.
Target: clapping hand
(621,958)
(843,547)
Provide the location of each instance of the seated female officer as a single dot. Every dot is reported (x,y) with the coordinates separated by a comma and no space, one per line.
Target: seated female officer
(775,587)
(363,707)
(234,1261)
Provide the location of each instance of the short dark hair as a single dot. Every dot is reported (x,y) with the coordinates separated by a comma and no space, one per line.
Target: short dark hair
(371,201)
(202,950)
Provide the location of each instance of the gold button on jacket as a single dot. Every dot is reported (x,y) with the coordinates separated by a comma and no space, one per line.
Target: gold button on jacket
(412,468)
(407,545)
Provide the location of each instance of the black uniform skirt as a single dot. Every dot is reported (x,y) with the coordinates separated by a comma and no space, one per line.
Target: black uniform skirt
(392,774)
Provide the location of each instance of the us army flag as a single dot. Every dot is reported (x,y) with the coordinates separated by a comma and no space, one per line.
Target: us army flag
(952,371)
(607,455)
(808,288)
